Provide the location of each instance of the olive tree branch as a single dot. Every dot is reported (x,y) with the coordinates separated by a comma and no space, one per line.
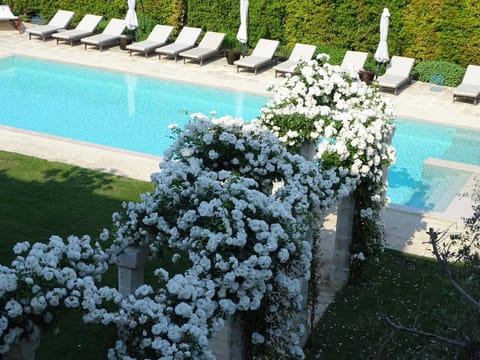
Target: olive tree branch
(451,342)
(443,260)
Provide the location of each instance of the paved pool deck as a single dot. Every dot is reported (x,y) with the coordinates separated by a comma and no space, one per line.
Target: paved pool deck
(405,228)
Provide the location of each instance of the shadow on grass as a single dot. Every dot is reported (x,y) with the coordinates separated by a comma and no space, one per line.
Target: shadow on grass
(39,199)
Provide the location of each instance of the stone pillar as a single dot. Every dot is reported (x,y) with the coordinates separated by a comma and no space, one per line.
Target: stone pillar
(25,349)
(307,150)
(131,264)
(343,239)
(227,344)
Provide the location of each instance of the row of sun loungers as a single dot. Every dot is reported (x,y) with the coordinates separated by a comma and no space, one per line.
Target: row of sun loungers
(397,74)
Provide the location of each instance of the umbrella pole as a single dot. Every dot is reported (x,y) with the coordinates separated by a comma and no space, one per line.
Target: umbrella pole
(143,16)
(244,49)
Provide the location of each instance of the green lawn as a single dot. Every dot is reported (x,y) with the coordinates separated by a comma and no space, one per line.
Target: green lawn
(412,291)
(41,198)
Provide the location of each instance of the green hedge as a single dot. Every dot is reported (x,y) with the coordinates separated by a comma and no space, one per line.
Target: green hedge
(443,29)
(452,73)
(424,29)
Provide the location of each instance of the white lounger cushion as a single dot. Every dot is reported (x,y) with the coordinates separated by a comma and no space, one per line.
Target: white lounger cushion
(84,28)
(299,52)
(186,40)
(470,86)
(110,35)
(209,46)
(262,54)
(157,38)
(6,13)
(397,74)
(354,60)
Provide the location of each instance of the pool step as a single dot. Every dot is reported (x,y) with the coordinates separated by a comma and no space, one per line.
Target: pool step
(461,205)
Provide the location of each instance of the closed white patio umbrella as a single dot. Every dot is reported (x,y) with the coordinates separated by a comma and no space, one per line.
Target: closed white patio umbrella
(131,20)
(242,34)
(381,55)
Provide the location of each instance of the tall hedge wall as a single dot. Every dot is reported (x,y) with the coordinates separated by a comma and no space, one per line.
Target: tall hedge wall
(424,29)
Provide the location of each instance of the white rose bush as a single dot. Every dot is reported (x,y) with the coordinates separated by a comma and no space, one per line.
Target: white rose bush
(351,126)
(43,281)
(246,244)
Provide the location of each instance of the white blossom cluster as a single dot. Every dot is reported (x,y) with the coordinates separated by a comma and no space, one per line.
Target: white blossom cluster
(43,279)
(172,322)
(213,200)
(248,150)
(350,123)
(235,235)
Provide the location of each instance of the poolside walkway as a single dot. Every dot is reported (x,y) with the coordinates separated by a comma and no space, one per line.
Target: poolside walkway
(405,229)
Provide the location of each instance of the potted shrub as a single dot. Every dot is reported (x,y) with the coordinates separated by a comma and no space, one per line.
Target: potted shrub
(233,49)
(366,75)
(232,55)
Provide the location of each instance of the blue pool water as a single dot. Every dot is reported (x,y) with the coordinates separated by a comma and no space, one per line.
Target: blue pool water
(133,113)
(411,183)
(114,109)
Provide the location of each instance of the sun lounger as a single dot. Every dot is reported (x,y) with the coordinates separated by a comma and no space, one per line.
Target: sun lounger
(185,40)
(7,15)
(470,86)
(262,55)
(208,47)
(300,52)
(397,74)
(354,60)
(85,27)
(59,22)
(110,35)
(158,37)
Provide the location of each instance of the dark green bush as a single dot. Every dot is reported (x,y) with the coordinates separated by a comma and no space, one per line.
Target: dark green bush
(336,54)
(452,73)
(301,27)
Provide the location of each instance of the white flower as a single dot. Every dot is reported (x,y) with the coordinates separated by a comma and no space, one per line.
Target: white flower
(257,338)
(13,308)
(283,255)
(183,309)
(21,247)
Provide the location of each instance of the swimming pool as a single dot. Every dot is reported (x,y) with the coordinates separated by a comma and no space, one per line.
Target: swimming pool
(416,184)
(132,112)
(107,108)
